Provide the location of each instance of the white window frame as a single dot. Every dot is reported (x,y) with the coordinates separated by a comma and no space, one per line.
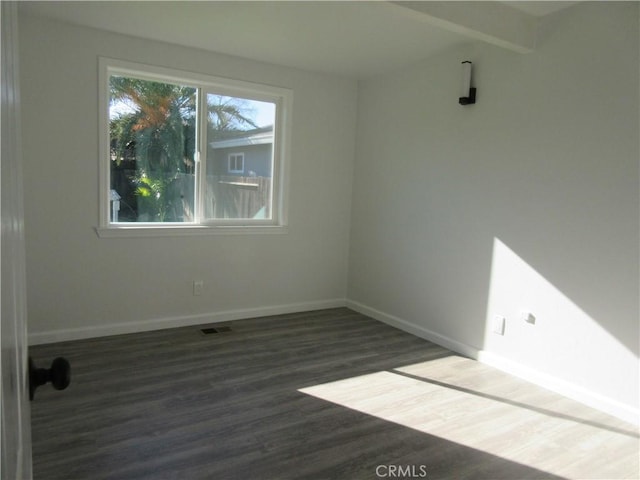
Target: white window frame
(235,155)
(206,84)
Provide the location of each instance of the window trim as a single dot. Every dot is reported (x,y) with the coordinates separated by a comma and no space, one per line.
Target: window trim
(281,97)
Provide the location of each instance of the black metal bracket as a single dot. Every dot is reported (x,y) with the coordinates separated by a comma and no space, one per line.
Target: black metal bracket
(470,100)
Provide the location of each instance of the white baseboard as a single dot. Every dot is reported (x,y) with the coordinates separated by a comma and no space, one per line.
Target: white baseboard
(562,387)
(52,336)
(567,389)
(414,329)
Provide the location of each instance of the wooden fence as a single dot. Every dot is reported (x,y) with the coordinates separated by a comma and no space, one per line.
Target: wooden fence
(237,197)
(225,197)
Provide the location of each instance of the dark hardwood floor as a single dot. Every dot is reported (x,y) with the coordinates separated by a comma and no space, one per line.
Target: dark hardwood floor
(319,395)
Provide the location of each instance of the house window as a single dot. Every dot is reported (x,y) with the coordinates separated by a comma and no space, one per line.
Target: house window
(164,139)
(236,163)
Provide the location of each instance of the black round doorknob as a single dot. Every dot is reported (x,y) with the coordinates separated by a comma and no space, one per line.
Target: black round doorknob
(59,375)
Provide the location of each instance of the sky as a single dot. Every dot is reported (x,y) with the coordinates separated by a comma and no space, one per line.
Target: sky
(262,113)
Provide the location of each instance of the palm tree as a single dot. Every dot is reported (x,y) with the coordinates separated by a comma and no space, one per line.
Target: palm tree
(227,114)
(155,129)
(153,126)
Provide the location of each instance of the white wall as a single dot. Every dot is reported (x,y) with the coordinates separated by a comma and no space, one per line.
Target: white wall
(527,200)
(79,284)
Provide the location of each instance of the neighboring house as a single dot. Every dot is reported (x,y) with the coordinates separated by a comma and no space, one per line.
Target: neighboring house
(245,154)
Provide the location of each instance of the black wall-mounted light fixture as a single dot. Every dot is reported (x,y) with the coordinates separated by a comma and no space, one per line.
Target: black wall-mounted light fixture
(468,93)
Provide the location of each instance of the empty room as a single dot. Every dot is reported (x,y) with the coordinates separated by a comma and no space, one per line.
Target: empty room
(320,240)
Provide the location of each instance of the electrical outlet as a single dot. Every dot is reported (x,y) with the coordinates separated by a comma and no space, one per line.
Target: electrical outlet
(198,285)
(528,317)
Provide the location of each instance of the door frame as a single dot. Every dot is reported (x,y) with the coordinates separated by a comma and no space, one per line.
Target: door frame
(15,427)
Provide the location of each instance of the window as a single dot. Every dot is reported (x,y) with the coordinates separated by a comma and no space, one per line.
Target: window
(184,152)
(236,162)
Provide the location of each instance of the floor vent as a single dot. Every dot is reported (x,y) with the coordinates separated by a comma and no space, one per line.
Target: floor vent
(212,330)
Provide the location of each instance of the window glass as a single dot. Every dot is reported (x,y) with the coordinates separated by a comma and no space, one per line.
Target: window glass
(182,150)
(239,167)
(152,139)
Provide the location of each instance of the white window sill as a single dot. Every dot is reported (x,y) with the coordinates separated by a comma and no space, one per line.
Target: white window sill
(123,231)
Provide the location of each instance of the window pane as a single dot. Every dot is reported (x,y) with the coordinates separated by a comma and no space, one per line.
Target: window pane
(239,158)
(152,130)
(236,163)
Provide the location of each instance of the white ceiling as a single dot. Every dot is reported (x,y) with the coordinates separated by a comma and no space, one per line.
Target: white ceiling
(351,38)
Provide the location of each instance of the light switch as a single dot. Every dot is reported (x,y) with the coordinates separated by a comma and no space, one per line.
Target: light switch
(498,324)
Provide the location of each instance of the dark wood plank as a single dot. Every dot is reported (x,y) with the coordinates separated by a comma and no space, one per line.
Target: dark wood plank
(175,404)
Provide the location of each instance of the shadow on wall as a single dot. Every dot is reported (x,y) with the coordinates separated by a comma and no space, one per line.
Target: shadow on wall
(607,294)
(517,289)
(531,321)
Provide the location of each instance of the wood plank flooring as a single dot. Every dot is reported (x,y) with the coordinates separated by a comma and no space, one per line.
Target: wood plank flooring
(319,395)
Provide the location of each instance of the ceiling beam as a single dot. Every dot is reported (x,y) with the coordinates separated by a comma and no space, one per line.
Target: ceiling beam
(491,22)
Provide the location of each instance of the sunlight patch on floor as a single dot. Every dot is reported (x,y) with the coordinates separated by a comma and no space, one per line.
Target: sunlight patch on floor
(462,401)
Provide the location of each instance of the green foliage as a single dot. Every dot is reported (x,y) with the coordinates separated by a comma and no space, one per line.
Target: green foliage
(153,126)
(154,130)
(123,138)
(227,114)
(154,197)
